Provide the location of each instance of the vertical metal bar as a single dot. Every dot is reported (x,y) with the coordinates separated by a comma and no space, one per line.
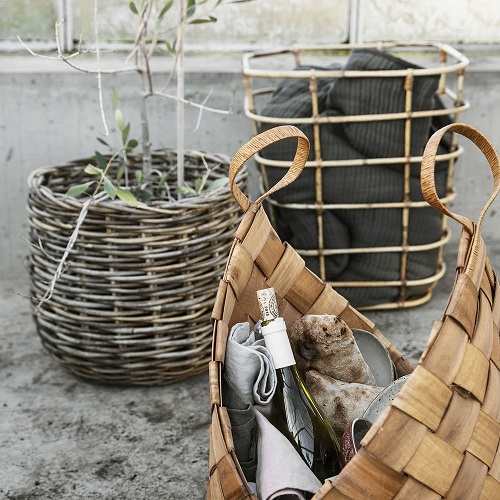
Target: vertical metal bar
(408,87)
(65,18)
(355,17)
(313,88)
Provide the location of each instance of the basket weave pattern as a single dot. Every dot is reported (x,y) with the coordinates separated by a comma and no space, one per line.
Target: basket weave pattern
(133,305)
(440,436)
(416,260)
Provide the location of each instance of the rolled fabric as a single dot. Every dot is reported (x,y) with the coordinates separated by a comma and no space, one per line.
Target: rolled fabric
(249,366)
(341,402)
(325,343)
(249,380)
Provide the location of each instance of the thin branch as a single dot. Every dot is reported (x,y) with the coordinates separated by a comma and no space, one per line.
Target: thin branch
(191,103)
(201,109)
(144,72)
(67,60)
(71,242)
(61,267)
(99,74)
(40,247)
(205,177)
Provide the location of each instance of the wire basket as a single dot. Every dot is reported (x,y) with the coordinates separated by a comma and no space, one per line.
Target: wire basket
(439,438)
(133,303)
(357,215)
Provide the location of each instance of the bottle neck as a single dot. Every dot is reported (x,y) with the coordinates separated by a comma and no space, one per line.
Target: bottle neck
(276,340)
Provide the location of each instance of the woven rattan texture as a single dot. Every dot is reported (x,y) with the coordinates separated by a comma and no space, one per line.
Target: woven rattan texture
(440,437)
(133,305)
(331,226)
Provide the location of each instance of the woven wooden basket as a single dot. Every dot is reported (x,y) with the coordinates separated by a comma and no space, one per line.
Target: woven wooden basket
(440,436)
(338,246)
(133,305)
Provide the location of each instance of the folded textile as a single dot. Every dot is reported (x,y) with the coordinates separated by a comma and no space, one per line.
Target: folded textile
(249,366)
(281,472)
(360,96)
(249,381)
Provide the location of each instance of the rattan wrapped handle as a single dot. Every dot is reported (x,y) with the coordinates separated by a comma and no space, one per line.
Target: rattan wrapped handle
(428,163)
(258,143)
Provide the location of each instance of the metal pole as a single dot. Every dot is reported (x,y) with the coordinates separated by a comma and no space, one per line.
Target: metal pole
(65,16)
(355,16)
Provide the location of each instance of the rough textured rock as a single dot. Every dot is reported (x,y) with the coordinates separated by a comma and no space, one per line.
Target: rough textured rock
(341,402)
(325,343)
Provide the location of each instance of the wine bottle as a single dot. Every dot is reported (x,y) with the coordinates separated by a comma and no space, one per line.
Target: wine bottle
(294,411)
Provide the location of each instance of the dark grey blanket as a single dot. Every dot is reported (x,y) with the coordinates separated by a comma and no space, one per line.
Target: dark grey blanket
(360,184)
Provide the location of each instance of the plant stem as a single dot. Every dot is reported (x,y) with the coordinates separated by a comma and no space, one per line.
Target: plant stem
(181,24)
(144,72)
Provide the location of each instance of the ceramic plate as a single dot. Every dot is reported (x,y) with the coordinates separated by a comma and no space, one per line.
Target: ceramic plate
(384,399)
(376,356)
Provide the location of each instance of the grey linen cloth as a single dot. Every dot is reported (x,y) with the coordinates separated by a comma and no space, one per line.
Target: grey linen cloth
(281,473)
(360,184)
(265,455)
(249,379)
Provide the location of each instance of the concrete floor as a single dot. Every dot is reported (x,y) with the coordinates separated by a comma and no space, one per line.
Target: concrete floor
(65,438)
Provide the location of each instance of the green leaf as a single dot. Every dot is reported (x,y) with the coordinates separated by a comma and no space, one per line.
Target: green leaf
(110,188)
(191,8)
(125,132)
(90,169)
(120,171)
(165,9)
(132,144)
(185,190)
(171,47)
(126,196)
(78,190)
(101,160)
(102,141)
(200,182)
(163,179)
(133,8)
(203,20)
(120,120)
(218,183)
(138,176)
(114,97)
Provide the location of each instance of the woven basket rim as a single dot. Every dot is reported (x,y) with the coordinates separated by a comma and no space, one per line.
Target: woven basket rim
(37,176)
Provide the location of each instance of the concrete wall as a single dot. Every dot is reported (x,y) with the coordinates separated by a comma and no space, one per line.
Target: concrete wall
(49,114)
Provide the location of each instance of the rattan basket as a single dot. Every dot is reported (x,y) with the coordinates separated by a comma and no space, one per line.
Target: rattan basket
(133,304)
(440,436)
(367,126)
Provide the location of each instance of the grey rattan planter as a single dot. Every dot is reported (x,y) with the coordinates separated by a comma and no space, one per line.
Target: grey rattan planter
(134,304)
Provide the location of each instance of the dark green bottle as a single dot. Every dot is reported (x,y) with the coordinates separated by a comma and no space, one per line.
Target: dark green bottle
(294,411)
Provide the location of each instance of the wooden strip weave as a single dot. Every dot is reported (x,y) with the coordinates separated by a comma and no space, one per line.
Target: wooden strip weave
(440,436)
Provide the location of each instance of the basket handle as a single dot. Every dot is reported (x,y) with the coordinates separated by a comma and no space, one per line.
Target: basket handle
(427,172)
(258,143)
